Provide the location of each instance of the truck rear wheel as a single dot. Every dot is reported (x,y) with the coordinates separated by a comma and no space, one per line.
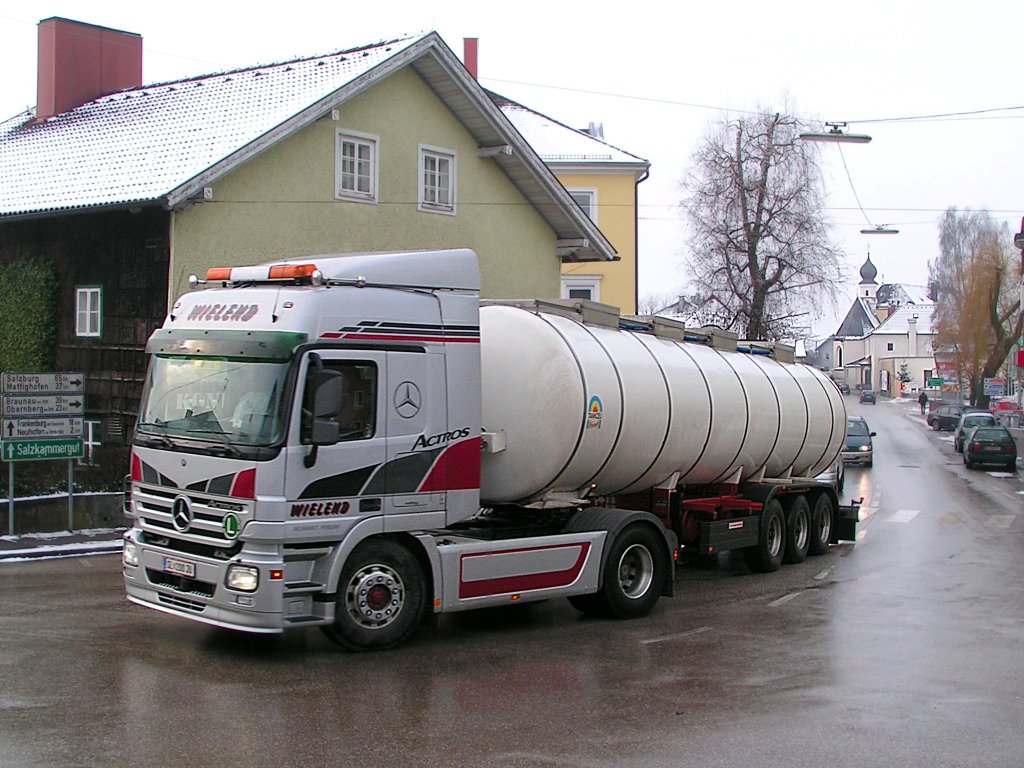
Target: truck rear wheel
(634,574)
(766,555)
(381,597)
(798,530)
(822,519)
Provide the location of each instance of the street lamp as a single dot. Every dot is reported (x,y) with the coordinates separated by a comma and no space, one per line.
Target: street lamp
(835,134)
(881,229)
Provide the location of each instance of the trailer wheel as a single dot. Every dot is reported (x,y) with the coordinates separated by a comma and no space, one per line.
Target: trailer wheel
(822,520)
(766,555)
(381,597)
(634,573)
(798,530)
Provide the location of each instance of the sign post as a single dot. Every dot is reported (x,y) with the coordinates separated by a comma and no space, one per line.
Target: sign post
(42,418)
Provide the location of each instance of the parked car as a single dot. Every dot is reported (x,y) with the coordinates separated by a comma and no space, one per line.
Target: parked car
(843,387)
(859,448)
(990,445)
(867,396)
(969,421)
(835,475)
(948,416)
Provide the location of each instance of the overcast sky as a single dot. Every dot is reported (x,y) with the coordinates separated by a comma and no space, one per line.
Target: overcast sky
(656,73)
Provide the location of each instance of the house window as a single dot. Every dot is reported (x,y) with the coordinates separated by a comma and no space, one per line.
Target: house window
(88,306)
(356,167)
(437,180)
(587,200)
(581,287)
(90,441)
(889,347)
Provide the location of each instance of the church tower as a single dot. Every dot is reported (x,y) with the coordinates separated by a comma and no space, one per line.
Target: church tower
(868,287)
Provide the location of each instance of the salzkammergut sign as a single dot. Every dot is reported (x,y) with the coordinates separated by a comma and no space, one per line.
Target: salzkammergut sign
(29,450)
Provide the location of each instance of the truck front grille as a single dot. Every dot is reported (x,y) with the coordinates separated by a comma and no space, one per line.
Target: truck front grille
(179,602)
(154,506)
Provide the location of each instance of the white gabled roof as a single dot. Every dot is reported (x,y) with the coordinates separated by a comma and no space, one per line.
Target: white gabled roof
(141,144)
(898,322)
(161,144)
(559,145)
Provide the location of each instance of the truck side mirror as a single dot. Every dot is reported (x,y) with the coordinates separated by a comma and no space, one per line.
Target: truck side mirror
(326,405)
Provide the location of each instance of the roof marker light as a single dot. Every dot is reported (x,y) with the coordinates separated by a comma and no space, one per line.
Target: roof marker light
(218,274)
(292,271)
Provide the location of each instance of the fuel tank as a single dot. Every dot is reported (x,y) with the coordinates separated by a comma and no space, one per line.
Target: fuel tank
(595,408)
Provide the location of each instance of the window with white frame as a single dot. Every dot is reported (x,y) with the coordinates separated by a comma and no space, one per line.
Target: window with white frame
(437,180)
(587,200)
(581,287)
(90,441)
(356,167)
(88,308)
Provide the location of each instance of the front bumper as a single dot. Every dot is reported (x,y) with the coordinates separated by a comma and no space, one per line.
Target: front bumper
(203,596)
(857,457)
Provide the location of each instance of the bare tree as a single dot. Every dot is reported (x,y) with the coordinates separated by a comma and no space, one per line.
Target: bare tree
(760,250)
(976,280)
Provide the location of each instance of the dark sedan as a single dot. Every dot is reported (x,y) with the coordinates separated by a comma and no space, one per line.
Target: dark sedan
(867,396)
(945,416)
(991,445)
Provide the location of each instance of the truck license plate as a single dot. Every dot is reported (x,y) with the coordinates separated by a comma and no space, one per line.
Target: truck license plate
(180,567)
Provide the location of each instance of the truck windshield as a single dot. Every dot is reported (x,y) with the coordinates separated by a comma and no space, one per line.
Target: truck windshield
(229,401)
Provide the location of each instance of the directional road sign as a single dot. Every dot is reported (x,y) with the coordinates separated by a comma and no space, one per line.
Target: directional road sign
(30,450)
(43,405)
(42,383)
(26,428)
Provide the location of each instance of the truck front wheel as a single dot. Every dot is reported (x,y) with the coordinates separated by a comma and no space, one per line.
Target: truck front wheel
(381,597)
(634,573)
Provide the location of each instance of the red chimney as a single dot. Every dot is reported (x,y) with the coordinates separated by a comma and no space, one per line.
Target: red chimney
(80,62)
(469,46)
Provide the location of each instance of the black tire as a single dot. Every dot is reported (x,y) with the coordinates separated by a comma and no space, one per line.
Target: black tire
(381,597)
(1011,466)
(956,445)
(634,573)
(798,530)
(871,462)
(936,426)
(968,463)
(766,555)
(823,518)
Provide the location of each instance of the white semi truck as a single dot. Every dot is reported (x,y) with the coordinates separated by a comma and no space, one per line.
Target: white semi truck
(354,442)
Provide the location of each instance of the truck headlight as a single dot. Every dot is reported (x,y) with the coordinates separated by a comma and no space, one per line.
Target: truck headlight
(865,448)
(243,578)
(130,553)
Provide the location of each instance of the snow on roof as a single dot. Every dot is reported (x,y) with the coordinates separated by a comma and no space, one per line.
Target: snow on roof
(898,323)
(141,144)
(558,144)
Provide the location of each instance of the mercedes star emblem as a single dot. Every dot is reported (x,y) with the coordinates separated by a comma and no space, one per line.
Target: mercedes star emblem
(181,514)
(407,399)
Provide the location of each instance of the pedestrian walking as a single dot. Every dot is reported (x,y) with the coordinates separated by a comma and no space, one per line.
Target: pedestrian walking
(922,400)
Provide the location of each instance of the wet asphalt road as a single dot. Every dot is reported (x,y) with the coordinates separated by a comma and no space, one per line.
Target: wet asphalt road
(905,649)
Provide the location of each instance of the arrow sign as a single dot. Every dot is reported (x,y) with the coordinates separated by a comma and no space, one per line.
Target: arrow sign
(36,450)
(43,405)
(42,383)
(24,428)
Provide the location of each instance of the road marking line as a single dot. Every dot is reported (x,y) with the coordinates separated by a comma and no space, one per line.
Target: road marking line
(784,599)
(824,574)
(678,636)
(904,515)
(1000,521)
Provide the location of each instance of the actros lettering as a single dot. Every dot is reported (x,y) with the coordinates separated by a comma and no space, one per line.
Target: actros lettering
(435,440)
(320,508)
(236,313)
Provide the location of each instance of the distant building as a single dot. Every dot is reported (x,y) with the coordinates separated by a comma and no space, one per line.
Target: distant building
(886,332)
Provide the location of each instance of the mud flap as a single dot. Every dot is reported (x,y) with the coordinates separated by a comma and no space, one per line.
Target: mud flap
(847,517)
